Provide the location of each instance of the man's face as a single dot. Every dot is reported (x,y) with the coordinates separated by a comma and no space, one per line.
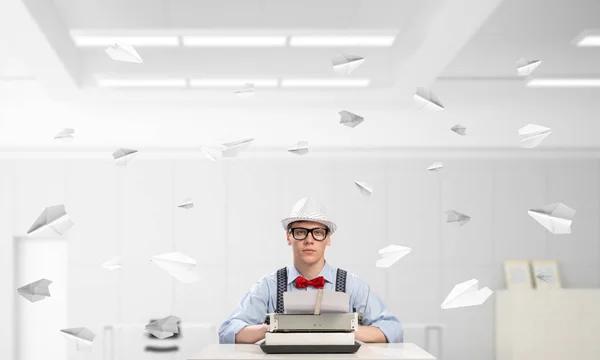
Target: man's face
(309,250)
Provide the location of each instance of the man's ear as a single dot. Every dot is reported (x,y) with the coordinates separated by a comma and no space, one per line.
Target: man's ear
(328,240)
(287,236)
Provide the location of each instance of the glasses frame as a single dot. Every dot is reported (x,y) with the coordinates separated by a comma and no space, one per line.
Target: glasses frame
(309,231)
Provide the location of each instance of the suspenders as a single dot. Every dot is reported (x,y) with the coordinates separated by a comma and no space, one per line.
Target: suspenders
(340,285)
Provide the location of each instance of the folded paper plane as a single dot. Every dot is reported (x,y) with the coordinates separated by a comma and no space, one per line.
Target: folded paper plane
(178,265)
(53,217)
(124,53)
(557,218)
(36,291)
(466,294)
(391,254)
(345,64)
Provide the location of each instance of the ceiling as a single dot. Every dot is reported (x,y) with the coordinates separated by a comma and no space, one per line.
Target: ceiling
(465,50)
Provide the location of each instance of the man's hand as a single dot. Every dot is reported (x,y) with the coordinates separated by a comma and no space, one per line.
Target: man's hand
(370,334)
(251,334)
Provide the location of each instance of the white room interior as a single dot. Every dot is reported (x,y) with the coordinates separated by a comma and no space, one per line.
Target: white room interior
(464,50)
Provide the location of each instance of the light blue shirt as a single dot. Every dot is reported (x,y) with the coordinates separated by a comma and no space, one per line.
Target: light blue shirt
(262,300)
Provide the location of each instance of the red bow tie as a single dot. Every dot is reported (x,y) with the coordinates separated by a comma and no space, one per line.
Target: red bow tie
(318,282)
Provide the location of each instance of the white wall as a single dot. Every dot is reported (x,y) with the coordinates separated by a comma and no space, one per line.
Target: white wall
(235,235)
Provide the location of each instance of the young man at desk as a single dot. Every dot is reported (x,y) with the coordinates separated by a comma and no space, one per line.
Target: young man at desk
(308,232)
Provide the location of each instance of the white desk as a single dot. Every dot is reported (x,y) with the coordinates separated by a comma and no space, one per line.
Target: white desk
(404,351)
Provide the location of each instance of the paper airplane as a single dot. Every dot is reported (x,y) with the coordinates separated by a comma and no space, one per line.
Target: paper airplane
(459,129)
(186,204)
(164,328)
(466,294)
(123,52)
(246,91)
(349,119)
(80,334)
(301,148)
(36,291)
(547,278)
(208,153)
(427,100)
(66,135)
(233,149)
(112,264)
(436,166)
(526,67)
(180,266)
(345,64)
(391,254)
(53,217)
(364,188)
(457,218)
(124,156)
(557,217)
(532,135)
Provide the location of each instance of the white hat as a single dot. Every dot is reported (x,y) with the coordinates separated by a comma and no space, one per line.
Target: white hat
(309,209)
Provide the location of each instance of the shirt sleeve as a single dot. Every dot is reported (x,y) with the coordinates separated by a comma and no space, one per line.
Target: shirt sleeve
(375,312)
(251,310)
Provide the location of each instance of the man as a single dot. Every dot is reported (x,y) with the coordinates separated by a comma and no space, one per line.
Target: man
(308,232)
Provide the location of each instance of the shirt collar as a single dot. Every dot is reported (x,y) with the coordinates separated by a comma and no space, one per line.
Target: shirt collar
(328,273)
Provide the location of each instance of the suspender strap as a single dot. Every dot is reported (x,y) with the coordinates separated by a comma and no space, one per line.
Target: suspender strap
(340,280)
(282,281)
(281,288)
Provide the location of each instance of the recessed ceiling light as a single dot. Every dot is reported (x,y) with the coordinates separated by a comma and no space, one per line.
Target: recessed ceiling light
(95,41)
(342,40)
(564,82)
(168,83)
(232,82)
(234,40)
(325,82)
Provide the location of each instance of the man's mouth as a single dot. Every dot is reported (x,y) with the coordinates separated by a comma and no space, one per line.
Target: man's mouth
(308,251)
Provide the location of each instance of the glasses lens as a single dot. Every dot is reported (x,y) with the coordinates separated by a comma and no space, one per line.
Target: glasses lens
(299,234)
(319,234)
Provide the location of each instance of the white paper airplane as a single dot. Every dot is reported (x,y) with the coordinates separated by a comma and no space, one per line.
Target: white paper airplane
(526,67)
(557,217)
(187,204)
(349,119)
(164,328)
(301,148)
(364,188)
(36,291)
(66,135)
(436,166)
(208,153)
(246,91)
(53,217)
(123,52)
(547,278)
(457,218)
(345,64)
(391,254)
(427,100)
(124,156)
(532,135)
(233,149)
(180,266)
(459,129)
(466,294)
(112,264)
(80,334)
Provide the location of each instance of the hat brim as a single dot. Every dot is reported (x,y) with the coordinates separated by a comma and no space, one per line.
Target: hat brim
(330,224)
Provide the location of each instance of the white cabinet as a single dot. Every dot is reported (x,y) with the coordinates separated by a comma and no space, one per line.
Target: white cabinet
(548,325)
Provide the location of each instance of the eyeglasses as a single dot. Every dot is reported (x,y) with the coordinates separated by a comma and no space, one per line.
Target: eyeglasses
(318,234)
